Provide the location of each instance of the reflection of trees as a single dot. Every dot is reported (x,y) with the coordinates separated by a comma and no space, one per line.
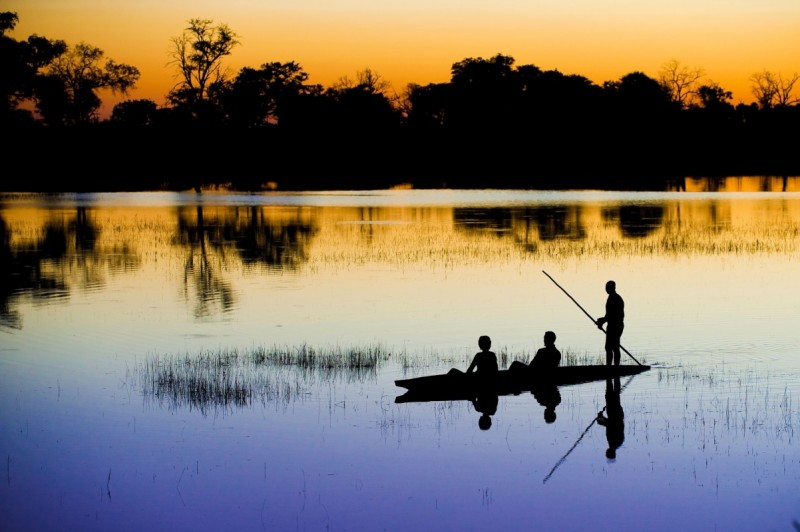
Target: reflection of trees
(23,270)
(528,225)
(85,230)
(211,236)
(533,225)
(259,241)
(546,222)
(636,221)
(62,255)
(21,273)
(558,221)
(197,236)
(497,220)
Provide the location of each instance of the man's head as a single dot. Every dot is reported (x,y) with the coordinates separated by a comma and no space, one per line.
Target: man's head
(549,338)
(611,286)
(484,342)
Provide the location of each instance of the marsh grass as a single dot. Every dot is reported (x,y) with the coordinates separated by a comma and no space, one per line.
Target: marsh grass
(234,379)
(331,357)
(739,403)
(570,357)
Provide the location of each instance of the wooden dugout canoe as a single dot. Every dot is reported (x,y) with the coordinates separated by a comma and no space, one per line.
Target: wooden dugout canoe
(460,386)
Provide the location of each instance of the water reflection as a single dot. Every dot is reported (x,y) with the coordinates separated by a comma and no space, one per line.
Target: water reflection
(548,396)
(272,238)
(613,419)
(636,221)
(711,277)
(256,238)
(485,404)
(46,260)
(51,250)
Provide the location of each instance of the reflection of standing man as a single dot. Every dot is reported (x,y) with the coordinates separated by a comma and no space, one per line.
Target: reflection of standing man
(615,316)
(614,422)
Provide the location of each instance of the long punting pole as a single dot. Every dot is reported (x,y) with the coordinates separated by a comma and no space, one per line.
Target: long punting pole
(589,315)
(563,458)
(561,461)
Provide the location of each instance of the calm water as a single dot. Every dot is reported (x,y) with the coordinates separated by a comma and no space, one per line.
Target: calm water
(104,293)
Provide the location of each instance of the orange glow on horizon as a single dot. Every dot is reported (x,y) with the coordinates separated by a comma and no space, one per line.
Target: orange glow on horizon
(417,42)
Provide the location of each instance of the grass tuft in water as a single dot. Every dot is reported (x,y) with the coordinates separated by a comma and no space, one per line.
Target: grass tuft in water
(231,378)
(309,357)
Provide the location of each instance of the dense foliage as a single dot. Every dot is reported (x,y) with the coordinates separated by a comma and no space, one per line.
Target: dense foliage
(493,124)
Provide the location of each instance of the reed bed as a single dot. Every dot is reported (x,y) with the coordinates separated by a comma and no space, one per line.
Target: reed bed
(435,361)
(309,357)
(569,357)
(231,378)
(743,403)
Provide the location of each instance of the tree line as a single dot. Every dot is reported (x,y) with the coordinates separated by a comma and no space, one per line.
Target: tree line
(494,123)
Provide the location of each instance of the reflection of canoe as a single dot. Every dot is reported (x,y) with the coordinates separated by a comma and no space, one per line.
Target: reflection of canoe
(460,386)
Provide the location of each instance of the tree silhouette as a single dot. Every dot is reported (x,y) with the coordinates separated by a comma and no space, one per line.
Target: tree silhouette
(75,76)
(484,92)
(197,54)
(680,81)
(257,97)
(22,64)
(714,98)
(363,105)
(135,113)
(771,90)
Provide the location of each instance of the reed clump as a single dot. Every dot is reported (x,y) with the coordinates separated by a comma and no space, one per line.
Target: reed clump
(569,357)
(200,381)
(309,357)
(232,378)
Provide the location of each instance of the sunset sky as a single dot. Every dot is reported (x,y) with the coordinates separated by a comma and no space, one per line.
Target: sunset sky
(417,41)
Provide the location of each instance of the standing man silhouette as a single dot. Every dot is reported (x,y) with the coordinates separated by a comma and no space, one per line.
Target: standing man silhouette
(615,318)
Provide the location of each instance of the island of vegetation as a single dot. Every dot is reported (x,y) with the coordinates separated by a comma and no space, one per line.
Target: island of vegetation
(494,124)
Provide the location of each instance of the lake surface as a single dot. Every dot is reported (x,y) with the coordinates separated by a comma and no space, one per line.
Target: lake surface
(182,361)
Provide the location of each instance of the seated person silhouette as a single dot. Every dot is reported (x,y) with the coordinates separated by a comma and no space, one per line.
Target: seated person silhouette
(486,404)
(614,420)
(484,363)
(546,358)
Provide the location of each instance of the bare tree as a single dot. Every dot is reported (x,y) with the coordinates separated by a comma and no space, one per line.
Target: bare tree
(680,81)
(771,90)
(198,53)
(785,88)
(367,80)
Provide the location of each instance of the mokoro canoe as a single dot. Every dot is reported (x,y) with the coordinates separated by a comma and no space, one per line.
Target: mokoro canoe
(461,386)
